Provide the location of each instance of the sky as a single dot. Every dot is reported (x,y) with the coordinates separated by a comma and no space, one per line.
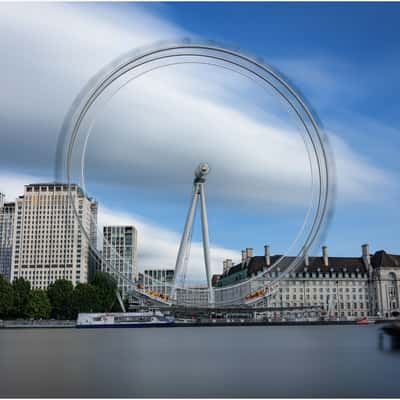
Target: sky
(144,145)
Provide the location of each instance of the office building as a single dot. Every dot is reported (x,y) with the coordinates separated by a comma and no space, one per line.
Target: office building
(48,242)
(7,211)
(119,254)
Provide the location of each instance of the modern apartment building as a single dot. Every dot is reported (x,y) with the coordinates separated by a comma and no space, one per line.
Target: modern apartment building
(48,242)
(157,280)
(7,211)
(119,254)
(345,287)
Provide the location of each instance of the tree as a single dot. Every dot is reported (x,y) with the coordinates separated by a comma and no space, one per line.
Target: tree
(6,298)
(60,295)
(106,287)
(38,305)
(86,298)
(21,290)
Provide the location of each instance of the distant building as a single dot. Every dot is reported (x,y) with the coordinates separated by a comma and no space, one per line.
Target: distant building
(161,281)
(7,212)
(215,279)
(157,280)
(48,242)
(95,255)
(119,254)
(93,226)
(95,263)
(346,287)
(193,295)
(385,282)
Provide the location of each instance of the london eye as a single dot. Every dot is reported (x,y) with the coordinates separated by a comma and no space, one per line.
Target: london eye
(252,290)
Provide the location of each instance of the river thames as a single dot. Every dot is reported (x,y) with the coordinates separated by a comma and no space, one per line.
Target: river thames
(280,361)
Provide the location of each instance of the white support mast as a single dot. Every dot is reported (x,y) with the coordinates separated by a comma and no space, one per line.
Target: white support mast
(198,191)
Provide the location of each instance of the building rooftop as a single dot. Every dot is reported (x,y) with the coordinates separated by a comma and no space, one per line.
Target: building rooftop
(382,259)
(315,264)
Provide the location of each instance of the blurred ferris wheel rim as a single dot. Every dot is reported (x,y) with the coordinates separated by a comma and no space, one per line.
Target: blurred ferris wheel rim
(73,138)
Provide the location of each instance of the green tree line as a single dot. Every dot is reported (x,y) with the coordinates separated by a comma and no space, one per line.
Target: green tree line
(60,301)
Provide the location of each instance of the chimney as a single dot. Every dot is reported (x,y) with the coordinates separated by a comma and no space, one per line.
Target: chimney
(249,252)
(267,255)
(306,259)
(325,255)
(365,255)
(224,266)
(229,264)
(243,255)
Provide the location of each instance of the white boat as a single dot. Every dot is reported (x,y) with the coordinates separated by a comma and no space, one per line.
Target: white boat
(124,320)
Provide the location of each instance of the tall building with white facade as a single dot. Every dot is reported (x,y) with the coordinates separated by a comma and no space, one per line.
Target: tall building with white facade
(119,254)
(48,242)
(7,211)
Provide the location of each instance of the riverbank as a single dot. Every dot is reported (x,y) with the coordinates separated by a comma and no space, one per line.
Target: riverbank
(22,323)
(49,324)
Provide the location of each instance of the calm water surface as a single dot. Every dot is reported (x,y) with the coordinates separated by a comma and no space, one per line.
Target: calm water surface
(313,361)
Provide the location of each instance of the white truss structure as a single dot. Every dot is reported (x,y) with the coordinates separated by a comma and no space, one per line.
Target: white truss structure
(184,248)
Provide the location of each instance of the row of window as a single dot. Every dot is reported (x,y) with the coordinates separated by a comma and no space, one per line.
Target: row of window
(337,306)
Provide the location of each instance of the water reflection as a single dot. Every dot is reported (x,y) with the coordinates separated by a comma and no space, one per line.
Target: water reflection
(388,343)
(279,362)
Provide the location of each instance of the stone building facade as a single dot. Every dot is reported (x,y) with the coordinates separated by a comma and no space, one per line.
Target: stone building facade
(344,287)
(385,279)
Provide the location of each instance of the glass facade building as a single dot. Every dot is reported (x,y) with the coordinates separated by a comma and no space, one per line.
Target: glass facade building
(119,254)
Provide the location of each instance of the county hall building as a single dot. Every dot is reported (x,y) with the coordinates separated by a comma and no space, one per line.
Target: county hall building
(345,287)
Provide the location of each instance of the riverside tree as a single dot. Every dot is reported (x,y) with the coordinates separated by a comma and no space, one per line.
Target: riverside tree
(60,295)
(38,305)
(6,298)
(86,298)
(106,287)
(21,289)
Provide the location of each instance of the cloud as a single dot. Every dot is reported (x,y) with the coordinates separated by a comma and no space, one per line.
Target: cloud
(12,184)
(317,75)
(358,180)
(52,51)
(255,159)
(252,155)
(201,115)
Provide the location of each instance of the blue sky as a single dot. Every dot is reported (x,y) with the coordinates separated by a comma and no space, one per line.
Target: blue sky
(343,57)
(357,45)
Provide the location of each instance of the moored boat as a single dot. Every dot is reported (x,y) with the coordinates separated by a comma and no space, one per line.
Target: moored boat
(365,321)
(124,320)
